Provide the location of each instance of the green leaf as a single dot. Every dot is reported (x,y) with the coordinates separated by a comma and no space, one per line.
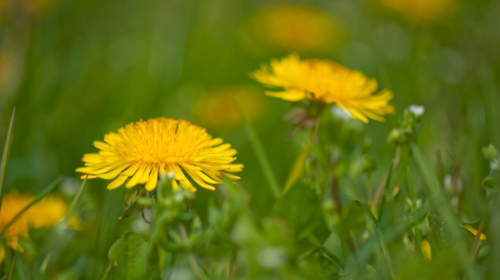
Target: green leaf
(292,208)
(5,155)
(128,258)
(262,158)
(367,210)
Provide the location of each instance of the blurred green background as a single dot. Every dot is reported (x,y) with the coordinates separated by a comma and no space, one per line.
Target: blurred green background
(75,70)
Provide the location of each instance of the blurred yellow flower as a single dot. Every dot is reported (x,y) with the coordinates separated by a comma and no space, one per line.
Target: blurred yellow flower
(216,108)
(46,213)
(421,10)
(290,28)
(31,7)
(326,82)
(425,248)
(143,150)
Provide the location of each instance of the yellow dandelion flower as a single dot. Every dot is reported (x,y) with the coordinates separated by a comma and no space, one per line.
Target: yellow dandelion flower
(290,28)
(217,108)
(46,213)
(326,82)
(421,11)
(142,150)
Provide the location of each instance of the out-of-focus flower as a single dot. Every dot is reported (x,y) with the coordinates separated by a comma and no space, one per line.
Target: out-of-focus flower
(143,150)
(217,108)
(421,10)
(425,248)
(290,28)
(30,7)
(417,110)
(326,82)
(46,213)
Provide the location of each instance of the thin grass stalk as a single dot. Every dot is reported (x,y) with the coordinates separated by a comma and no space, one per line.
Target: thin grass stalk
(5,155)
(446,212)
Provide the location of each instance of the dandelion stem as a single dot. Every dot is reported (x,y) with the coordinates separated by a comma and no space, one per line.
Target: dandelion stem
(192,261)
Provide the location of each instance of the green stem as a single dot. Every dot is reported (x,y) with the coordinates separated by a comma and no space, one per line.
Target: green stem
(12,266)
(73,203)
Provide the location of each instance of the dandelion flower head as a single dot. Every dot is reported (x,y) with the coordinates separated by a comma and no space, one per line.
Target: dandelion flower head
(46,213)
(422,11)
(326,82)
(218,109)
(141,151)
(290,28)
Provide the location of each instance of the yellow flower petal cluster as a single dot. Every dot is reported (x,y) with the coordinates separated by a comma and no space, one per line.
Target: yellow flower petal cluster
(290,28)
(46,213)
(218,109)
(422,10)
(326,82)
(141,151)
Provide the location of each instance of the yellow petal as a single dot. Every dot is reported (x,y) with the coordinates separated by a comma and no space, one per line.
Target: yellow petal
(153,180)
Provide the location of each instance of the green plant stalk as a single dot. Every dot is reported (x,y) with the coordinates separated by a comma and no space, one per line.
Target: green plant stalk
(386,254)
(155,240)
(73,203)
(262,158)
(297,169)
(445,210)
(413,197)
(12,266)
(369,188)
(5,155)
(385,184)
(191,259)
(40,197)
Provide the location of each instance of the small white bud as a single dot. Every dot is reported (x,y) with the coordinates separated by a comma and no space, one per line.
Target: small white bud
(417,110)
(494,165)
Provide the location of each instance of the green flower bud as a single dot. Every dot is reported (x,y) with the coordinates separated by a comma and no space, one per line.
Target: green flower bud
(369,165)
(396,137)
(490,152)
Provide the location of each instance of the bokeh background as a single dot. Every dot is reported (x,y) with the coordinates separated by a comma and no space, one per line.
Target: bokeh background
(77,69)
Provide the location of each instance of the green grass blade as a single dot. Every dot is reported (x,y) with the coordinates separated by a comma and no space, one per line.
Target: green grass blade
(11,272)
(5,155)
(386,187)
(366,208)
(445,210)
(262,158)
(45,192)
(73,203)
(297,169)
